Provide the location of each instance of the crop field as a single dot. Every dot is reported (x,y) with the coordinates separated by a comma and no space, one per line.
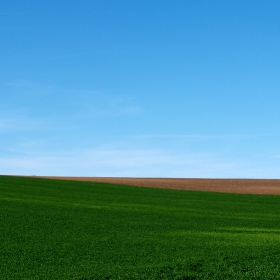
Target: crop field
(59,229)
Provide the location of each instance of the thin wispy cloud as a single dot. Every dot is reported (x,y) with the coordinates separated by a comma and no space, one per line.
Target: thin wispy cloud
(73,103)
(129,162)
(14,121)
(27,88)
(208,136)
(105,163)
(8,124)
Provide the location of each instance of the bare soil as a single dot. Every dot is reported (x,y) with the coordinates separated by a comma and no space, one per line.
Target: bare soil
(241,186)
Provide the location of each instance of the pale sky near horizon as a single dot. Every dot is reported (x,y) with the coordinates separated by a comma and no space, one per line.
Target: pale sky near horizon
(140,88)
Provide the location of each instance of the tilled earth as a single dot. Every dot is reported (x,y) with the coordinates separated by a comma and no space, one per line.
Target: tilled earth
(242,186)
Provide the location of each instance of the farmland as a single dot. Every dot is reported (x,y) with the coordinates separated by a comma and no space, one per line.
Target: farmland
(55,229)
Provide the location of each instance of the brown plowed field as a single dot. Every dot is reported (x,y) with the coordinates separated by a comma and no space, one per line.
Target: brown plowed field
(242,186)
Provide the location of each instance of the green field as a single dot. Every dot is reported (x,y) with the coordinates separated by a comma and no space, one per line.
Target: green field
(52,229)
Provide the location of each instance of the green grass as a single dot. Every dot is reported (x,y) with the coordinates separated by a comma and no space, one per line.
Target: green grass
(52,229)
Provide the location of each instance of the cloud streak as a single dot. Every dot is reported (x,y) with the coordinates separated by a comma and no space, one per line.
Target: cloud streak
(74,103)
(9,124)
(130,163)
(206,136)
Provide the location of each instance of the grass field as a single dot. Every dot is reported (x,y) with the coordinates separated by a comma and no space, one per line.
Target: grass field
(51,229)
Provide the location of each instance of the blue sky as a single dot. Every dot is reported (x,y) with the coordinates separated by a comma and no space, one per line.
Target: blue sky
(140,88)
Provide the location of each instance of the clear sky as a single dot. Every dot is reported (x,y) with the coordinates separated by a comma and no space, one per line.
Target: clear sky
(140,88)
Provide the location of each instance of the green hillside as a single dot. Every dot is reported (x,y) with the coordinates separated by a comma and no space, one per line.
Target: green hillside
(51,229)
